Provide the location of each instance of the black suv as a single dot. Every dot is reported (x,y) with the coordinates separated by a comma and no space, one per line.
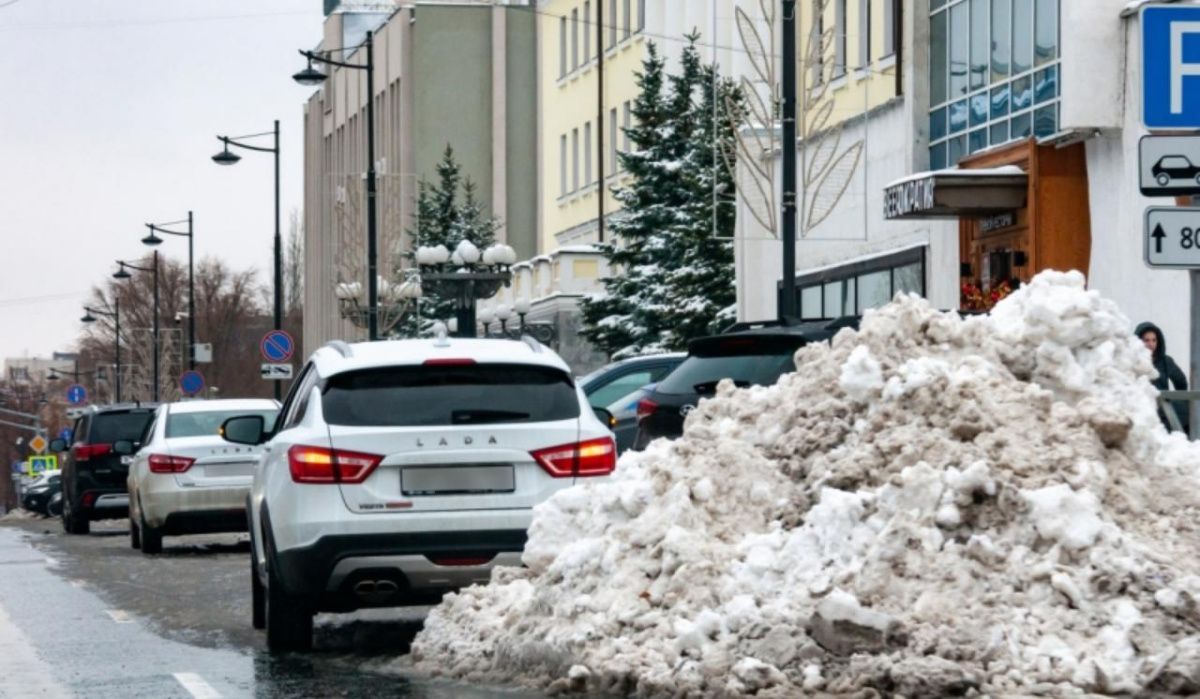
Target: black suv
(748,353)
(93,475)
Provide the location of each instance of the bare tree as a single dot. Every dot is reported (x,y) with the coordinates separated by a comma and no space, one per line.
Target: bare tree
(293,268)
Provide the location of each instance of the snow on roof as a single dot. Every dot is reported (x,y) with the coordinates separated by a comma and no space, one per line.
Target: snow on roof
(1132,8)
(965,173)
(369,355)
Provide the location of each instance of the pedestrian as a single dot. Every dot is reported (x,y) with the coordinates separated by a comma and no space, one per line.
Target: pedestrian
(1168,371)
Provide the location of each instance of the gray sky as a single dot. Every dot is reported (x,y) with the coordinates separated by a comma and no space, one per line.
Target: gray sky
(107,122)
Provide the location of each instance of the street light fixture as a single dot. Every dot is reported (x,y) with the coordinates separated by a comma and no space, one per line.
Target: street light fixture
(228,157)
(122,273)
(89,316)
(153,240)
(465,275)
(311,77)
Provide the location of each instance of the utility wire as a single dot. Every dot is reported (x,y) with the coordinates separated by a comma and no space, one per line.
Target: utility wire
(145,22)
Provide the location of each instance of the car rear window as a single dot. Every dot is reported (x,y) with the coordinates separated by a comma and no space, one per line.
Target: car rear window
(747,360)
(471,394)
(114,427)
(208,423)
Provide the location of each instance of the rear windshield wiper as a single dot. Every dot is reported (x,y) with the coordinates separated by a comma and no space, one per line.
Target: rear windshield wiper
(462,417)
(711,386)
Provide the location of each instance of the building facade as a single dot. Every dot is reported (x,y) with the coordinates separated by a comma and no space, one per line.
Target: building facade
(461,74)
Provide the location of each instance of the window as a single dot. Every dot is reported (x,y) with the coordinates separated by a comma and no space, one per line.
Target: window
(620,387)
(574,160)
(993,75)
(641,24)
(208,423)
(562,47)
(628,21)
(574,39)
(587,153)
(839,39)
(864,33)
(562,165)
(107,428)
(451,395)
(612,139)
(627,117)
(889,27)
(612,23)
(587,31)
(853,288)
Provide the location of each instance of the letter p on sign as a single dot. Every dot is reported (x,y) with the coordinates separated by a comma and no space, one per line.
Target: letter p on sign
(1171,66)
(1179,67)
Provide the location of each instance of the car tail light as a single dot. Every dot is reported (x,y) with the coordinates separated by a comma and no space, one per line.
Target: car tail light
(163,463)
(84,452)
(324,465)
(89,499)
(646,408)
(450,361)
(595,457)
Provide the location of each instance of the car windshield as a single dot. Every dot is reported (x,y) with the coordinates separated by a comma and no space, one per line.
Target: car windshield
(701,374)
(1175,162)
(208,423)
(114,427)
(449,395)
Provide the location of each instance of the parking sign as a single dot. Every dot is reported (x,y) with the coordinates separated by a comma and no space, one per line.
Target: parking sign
(1171,66)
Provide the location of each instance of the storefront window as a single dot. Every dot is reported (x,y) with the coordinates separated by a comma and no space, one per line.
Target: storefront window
(994,72)
(853,288)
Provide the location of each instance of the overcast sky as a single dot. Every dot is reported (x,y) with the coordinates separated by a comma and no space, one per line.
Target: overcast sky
(107,121)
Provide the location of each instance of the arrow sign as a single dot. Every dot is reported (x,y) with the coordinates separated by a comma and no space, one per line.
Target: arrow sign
(1158,236)
(1172,237)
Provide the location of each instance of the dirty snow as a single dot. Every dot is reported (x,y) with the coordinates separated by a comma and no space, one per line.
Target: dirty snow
(928,506)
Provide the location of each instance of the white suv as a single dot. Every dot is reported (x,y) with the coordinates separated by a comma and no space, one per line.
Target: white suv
(401,470)
(186,479)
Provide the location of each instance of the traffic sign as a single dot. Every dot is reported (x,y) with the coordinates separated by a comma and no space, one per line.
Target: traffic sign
(1172,237)
(76,394)
(38,444)
(277,346)
(1171,66)
(277,372)
(65,434)
(191,383)
(38,464)
(1169,166)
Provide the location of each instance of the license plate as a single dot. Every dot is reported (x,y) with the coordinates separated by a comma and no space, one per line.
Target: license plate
(457,480)
(126,460)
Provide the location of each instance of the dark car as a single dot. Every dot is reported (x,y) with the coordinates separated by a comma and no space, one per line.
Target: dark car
(37,496)
(93,474)
(1174,167)
(614,382)
(750,354)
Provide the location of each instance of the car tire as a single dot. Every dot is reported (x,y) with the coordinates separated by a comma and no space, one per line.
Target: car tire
(258,596)
(135,533)
(289,618)
(1163,180)
(72,522)
(151,538)
(54,506)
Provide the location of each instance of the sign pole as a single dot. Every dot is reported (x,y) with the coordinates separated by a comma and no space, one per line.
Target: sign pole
(1194,373)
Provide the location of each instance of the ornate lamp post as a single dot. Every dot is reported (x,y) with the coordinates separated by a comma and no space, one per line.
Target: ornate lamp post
(89,316)
(396,300)
(466,276)
(123,273)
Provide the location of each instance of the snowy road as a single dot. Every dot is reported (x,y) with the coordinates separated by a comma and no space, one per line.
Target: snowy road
(89,617)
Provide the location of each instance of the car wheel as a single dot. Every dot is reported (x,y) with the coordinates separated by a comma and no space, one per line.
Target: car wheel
(289,618)
(151,538)
(1163,179)
(135,533)
(72,522)
(258,596)
(54,507)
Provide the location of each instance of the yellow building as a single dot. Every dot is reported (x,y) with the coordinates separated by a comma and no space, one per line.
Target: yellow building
(847,55)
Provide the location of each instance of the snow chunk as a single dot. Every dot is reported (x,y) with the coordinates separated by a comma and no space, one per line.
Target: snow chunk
(862,377)
(1064,515)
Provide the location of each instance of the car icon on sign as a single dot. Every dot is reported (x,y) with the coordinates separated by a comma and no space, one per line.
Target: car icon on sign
(1174,167)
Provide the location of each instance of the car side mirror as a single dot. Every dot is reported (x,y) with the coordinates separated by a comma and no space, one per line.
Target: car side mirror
(245,429)
(124,447)
(58,445)
(605,417)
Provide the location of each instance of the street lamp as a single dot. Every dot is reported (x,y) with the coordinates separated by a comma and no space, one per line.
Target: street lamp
(397,300)
(89,316)
(228,157)
(312,77)
(123,273)
(465,275)
(153,240)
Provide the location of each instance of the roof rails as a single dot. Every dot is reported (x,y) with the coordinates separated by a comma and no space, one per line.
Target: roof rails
(533,343)
(341,347)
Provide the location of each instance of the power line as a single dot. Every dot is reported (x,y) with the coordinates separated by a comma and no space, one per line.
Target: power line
(144,22)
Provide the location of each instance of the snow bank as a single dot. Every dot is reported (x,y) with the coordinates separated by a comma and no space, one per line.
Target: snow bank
(928,506)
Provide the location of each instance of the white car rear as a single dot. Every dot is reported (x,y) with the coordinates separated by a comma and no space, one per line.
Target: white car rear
(187,479)
(402,470)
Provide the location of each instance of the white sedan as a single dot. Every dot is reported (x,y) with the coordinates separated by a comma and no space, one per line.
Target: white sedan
(186,479)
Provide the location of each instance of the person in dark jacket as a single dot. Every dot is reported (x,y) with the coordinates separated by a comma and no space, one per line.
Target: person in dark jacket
(1168,371)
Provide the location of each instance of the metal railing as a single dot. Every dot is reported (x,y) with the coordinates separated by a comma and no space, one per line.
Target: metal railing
(1167,406)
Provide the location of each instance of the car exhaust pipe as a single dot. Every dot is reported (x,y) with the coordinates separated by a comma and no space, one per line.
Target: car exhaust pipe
(376,591)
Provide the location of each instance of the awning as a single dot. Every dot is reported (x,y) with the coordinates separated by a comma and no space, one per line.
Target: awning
(956,193)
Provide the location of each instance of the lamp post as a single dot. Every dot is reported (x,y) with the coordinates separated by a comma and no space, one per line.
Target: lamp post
(228,157)
(312,77)
(123,273)
(465,275)
(89,316)
(153,240)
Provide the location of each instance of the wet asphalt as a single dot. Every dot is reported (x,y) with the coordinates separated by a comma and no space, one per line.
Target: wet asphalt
(88,616)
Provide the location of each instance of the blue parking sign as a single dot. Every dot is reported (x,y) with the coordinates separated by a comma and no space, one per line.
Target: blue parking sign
(1171,66)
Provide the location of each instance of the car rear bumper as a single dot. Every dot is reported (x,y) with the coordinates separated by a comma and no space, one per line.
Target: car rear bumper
(104,504)
(346,572)
(168,503)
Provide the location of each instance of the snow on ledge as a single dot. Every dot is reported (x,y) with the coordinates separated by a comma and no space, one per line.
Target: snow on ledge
(1004,171)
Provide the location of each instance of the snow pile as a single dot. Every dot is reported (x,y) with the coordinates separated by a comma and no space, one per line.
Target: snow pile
(928,506)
